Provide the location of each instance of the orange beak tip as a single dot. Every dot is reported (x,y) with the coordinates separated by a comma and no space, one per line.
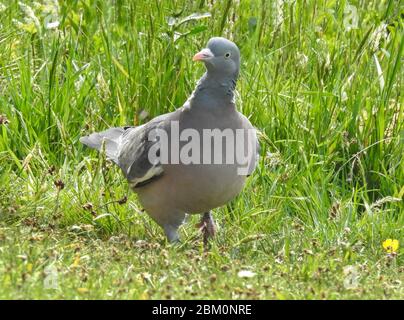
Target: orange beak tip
(197,57)
(203,55)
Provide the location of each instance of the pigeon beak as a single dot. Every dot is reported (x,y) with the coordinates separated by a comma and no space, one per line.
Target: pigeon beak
(203,55)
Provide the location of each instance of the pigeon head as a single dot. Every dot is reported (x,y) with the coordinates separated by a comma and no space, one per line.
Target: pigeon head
(221,58)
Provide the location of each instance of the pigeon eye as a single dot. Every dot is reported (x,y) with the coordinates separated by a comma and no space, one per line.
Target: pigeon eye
(227,55)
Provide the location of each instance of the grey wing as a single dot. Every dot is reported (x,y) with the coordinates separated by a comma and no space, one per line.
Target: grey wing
(256,154)
(253,143)
(134,158)
(108,139)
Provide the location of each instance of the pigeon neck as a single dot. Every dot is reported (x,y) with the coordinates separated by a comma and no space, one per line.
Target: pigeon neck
(214,89)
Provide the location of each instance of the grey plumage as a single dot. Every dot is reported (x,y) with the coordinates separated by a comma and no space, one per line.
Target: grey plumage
(169,191)
(109,138)
(128,147)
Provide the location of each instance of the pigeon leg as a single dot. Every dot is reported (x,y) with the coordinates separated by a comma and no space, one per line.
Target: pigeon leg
(171,225)
(172,233)
(208,227)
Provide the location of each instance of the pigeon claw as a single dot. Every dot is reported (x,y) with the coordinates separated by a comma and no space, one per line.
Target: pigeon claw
(207,227)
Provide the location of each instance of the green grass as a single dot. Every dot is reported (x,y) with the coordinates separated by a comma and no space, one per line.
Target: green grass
(328,191)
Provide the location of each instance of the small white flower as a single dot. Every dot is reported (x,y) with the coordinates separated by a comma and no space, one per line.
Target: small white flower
(344,96)
(246,274)
(349,270)
(351,280)
(2,7)
(52,25)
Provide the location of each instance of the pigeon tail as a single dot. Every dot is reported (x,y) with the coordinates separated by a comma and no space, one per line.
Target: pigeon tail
(108,137)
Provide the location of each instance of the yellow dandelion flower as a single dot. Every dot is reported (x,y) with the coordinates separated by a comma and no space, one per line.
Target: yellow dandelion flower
(76,262)
(391,245)
(82,290)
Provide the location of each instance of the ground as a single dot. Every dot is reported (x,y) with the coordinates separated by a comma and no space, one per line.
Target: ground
(321,80)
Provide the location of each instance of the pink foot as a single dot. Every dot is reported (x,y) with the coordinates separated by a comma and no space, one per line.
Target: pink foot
(207,227)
